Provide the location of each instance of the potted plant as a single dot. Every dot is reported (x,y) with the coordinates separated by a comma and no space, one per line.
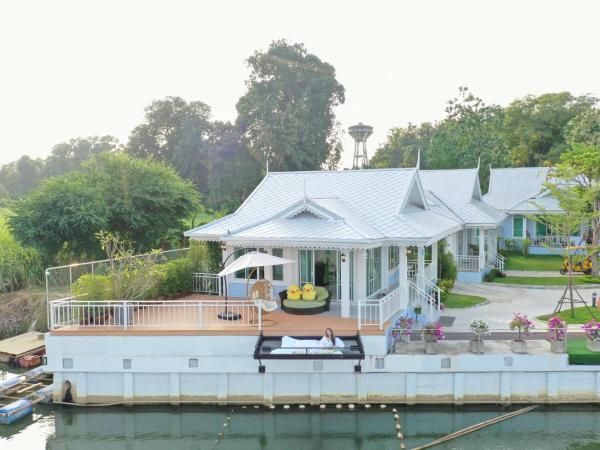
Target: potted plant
(592,333)
(522,324)
(418,310)
(557,330)
(432,332)
(479,328)
(406,326)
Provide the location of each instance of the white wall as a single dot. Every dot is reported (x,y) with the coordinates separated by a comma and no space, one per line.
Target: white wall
(227,372)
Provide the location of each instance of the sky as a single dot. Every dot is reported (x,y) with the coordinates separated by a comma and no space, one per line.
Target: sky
(81,68)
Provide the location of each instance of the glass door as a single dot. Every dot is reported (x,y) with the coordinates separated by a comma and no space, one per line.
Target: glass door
(306,267)
(327,271)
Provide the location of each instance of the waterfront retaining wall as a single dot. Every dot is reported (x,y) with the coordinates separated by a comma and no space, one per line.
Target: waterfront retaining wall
(221,369)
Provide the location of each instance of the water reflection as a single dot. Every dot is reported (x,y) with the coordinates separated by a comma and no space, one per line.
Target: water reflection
(187,428)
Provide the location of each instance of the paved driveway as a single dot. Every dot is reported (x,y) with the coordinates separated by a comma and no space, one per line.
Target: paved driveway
(506,300)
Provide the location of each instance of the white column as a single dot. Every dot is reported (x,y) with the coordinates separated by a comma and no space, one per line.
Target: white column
(434,260)
(345,282)
(360,274)
(269,269)
(385,277)
(466,234)
(481,248)
(495,240)
(403,273)
(420,265)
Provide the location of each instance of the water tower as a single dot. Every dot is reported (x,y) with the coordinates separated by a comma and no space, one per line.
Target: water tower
(360,133)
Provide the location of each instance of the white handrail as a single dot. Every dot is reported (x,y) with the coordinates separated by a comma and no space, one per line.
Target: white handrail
(202,314)
(420,297)
(497,260)
(466,263)
(377,311)
(207,283)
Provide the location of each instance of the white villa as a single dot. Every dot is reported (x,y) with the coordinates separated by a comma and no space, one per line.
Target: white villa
(520,193)
(369,238)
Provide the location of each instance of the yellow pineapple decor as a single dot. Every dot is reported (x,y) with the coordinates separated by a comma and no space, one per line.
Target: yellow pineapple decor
(308,292)
(293,292)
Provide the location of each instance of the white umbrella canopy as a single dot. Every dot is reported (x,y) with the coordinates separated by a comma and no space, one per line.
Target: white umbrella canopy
(254,259)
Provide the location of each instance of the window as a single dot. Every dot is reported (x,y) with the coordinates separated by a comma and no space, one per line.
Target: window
(541,228)
(193,363)
(373,270)
(127,364)
(393,256)
(517,226)
(278,270)
(244,273)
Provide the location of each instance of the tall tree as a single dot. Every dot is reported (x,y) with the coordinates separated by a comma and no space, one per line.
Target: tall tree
(176,132)
(585,129)
(287,114)
(141,200)
(577,187)
(471,130)
(21,176)
(535,126)
(68,156)
(403,145)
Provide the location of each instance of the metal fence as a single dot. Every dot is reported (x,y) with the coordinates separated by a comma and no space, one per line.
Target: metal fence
(207,283)
(60,279)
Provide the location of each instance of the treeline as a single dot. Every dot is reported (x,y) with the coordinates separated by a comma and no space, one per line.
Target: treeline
(286,117)
(530,131)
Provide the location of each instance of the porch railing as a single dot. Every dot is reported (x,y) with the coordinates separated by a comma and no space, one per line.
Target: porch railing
(429,275)
(497,260)
(419,297)
(467,263)
(374,312)
(207,283)
(551,241)
(431,289)
(171,314)
(413,267)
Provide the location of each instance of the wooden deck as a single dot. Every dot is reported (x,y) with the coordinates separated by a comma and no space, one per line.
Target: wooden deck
(20,345)
(277,323)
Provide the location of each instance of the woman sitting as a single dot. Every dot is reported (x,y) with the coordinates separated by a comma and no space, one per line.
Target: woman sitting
(329,340)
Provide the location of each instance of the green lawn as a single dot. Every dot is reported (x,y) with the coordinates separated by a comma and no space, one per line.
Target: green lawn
(538,281)
(579,354)
(533,262)
(453,300)
(581,315)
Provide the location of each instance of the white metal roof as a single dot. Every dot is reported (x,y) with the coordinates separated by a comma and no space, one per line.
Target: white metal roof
(510,187)
(360,206)
(460,192)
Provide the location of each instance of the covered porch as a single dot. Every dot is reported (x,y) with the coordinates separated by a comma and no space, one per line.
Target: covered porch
(475,251)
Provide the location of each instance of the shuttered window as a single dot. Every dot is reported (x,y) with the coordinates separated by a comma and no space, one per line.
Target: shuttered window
(517,226)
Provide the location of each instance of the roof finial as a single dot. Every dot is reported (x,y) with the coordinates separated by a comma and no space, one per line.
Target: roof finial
(418,159)
(478,162)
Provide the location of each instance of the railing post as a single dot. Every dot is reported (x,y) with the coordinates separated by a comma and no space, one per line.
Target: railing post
(359,315)
(200,314)
(125,315)
(380,316)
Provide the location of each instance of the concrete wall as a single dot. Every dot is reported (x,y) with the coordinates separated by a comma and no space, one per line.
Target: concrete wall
(227,373)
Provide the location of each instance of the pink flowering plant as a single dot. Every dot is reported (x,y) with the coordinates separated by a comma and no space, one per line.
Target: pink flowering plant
(557,328)
(592,330)
(521,323)
(434,330)
(406,327)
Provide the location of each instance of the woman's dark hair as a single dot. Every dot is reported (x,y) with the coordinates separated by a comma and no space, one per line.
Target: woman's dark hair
(332,335)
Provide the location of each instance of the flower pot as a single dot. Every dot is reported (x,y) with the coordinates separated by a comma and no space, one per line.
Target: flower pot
(557,346)
(405,338)
(476,346)
(431,347)
(593,346)
(429,337)
(518,346)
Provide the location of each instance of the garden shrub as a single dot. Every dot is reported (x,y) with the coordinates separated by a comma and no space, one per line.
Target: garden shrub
(19,266)
(493,274)
(176,278)
(445,285)
(448,270)
(525,244)
(93,287)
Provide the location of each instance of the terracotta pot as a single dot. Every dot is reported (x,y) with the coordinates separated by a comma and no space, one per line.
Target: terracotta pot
(593,346)
(431,347)
(476,346)
(557,346)
(518,346)
(429,337)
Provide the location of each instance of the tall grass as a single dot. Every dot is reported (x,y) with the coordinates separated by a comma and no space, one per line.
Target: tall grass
(19,266)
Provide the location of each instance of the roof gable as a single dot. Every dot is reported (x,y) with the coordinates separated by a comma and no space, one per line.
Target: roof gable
(512,186)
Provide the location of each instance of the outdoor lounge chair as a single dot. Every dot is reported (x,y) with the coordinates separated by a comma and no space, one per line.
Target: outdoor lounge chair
(305,307)
(261,295)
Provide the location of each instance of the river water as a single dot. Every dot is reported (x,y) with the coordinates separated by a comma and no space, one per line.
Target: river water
(195,427)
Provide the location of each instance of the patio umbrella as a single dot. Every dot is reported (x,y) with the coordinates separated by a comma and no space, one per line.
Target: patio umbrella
(247,261)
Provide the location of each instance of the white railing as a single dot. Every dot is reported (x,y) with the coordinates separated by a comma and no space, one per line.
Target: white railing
(207,283)
(497,260)
(377,311)
(551,241)
(467,263)
(429,275)
(413,267)
(171,314)
(431,289)
(419,297)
